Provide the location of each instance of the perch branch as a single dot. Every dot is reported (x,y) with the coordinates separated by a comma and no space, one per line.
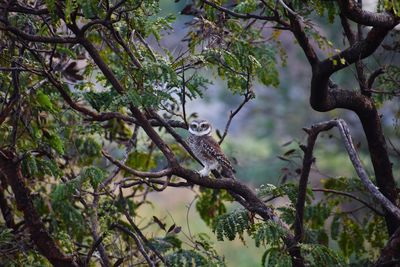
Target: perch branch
(158,174)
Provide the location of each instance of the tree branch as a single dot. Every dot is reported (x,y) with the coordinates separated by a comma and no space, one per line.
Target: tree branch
(37,38)
(375,75)
(390,253)
(158,174)
(6,210)
(337,192)
(326,96)
(354,12)
(239,15)
(308,159)
(137,241)
(362,174)
(11,169)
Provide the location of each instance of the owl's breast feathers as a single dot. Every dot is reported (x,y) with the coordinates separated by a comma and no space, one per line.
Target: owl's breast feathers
(208,151)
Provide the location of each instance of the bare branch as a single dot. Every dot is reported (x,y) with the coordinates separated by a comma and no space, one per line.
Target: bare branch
(137,241)
(141,235)
(375,75)
(249,95)
(354,12)
(158,174)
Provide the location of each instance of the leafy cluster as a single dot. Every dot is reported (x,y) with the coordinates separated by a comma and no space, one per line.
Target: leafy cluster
(358,242)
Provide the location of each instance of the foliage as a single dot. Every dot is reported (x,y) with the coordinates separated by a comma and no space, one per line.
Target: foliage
(211,204)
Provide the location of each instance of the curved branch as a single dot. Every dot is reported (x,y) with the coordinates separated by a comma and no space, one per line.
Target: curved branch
(359,50)
(137,241)
(362,174)
(248,199)
(11,169)
(354,12)
(375,75)
(337,192)
(390,253)
(326,96)
(158,174)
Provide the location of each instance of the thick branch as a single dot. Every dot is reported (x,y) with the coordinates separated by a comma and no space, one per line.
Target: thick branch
(6,210)
(360,50)
(46,245)
(354,12)
(16,7)
(297,29)
(390,253)
(250,201)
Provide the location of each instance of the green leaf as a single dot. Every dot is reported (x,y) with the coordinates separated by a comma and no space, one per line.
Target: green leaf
(55,142)
(269,233)
(231,224)
(319,255)
(276,257)
(94,175)
(44,100)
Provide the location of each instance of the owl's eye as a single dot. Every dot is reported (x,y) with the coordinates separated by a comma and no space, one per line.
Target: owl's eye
(194,126)
(203,126)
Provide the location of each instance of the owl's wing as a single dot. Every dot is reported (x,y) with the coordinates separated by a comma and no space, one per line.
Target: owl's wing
(214,150)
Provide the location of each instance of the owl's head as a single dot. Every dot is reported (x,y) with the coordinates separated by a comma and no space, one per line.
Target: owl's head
(200,127)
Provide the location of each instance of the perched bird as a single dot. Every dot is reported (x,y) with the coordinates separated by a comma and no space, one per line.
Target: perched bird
(207,150)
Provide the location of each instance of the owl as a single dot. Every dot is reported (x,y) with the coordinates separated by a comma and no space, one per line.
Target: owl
(207,150)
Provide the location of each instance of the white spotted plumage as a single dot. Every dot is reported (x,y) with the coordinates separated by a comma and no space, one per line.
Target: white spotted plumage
(207,150)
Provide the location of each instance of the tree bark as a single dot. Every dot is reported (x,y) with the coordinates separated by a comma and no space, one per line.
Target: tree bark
(10,167)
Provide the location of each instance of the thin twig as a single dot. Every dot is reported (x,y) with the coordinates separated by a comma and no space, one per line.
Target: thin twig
(249,95)
(350,196)
(141,235)
(137,241)
(119,164)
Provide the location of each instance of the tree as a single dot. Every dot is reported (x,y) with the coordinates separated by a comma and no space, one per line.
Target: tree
(62,192)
